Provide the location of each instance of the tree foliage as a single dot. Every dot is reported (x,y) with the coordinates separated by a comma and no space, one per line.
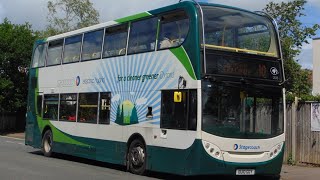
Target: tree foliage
(68,15)
(292,35)
(15,55)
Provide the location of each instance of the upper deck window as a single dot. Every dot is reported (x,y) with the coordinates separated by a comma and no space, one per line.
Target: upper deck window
(92,45)
(239,31)
(39,56)
(72,47)
(115,41)
(54,52)
(143,36)
(174,28)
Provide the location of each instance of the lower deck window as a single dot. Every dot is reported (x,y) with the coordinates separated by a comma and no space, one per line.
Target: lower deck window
(50,107)
(68,107)
(88,107)
(104,115)
(85,108)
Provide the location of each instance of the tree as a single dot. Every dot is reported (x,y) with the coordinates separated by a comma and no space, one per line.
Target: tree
(292,35)
(15,56)
(68,15)
(134,116)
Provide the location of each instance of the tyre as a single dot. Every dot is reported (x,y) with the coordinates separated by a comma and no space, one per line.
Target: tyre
(137,156)
(47,143)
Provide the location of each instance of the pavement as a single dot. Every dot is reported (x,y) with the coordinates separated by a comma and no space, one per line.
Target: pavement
(17,135)
(300,172)
(288,172)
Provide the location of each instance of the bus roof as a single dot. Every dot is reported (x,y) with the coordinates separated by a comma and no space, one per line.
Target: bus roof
(119,21)
(134,17)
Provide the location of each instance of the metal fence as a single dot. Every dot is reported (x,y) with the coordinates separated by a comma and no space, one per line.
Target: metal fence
(302,145)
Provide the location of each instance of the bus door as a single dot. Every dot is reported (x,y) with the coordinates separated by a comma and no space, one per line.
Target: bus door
(178,123)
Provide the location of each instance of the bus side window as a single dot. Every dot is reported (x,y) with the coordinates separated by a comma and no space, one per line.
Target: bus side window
(92,45)
(174,114)
(105,106)
(174,28)
(142,36)
(179,114)
(192,122)
(115,41)
(72,47)
(68,107)
(50,106)
(39,56)
(88,108)
(39,105)
(54,52)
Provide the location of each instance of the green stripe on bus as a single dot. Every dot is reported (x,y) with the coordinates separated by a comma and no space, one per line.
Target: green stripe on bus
(61,137)
(133,17)
(58,136)
(183,57)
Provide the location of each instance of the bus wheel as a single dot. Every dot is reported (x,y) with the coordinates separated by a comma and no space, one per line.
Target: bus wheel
(47,142)
(137,157)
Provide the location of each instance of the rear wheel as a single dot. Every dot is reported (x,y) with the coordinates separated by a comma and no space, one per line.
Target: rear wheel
(47,142)
(137,156)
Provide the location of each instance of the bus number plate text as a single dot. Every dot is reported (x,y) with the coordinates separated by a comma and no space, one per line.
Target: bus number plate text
(245,172)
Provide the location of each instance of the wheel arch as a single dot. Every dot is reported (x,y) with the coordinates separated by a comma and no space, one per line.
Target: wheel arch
(45,129)
(133,137)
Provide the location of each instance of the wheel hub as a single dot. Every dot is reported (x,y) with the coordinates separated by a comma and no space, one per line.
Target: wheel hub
(47,144)
(137,156)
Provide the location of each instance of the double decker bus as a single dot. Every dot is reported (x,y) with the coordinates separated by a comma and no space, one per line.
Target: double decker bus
(189,89)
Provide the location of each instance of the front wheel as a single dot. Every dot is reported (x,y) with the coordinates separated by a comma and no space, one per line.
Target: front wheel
(137,156)
(47,142)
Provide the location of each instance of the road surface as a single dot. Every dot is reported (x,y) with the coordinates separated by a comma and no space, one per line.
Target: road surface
(18,161)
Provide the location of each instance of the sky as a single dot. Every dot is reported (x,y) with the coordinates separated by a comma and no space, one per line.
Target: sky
(35,12)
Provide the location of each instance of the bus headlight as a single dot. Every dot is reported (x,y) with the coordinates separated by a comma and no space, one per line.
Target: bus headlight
(275,150)
(212,150)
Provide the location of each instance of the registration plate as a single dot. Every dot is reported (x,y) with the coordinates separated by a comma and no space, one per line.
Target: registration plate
(245,172)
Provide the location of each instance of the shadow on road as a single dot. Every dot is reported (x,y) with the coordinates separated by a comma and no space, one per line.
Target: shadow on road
(150,174)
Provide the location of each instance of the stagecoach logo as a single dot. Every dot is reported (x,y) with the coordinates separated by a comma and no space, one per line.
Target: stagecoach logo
(69,82)
(235,146)
(274,71)
(243,147)
(78,80)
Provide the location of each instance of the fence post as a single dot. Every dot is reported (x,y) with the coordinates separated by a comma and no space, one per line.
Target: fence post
(294,128)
